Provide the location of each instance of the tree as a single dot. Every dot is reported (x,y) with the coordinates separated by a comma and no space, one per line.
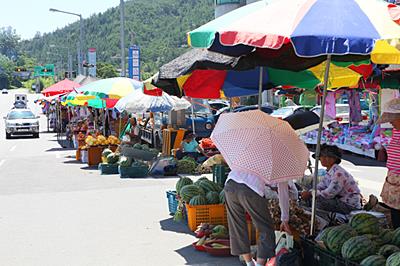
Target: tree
(6,69)
(106,70)
(9,43)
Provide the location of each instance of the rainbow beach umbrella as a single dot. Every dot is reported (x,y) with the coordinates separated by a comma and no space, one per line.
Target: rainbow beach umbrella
(111,88)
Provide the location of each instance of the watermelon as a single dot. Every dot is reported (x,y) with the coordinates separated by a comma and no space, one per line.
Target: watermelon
(106,152)
(396,237)
(337,236)
(387,250)
(376,240)
(212,197)
(125,161)
(145,147)
(373,260)
(386,235)
(112,158)
(137,146)
(323,234)
(365,223)
(189,191)
(393,260)
(200,179)
(222,197)
(198,200)
(358,248)
(183,181)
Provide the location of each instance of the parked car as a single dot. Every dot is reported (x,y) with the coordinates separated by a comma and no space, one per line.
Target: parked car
(342,113)
(217,105)
(4,91)
(265,108)
(21,122)
(284,112)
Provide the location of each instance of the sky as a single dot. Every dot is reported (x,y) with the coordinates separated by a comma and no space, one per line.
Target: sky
(30,16)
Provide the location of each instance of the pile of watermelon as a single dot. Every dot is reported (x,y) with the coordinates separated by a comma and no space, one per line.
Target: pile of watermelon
(363,241)
(201,192)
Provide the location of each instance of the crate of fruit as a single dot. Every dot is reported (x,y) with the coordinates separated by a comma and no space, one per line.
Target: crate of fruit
(108,169)
(211,214)
(133,171)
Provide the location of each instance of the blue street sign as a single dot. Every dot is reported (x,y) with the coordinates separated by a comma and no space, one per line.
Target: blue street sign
(134,62)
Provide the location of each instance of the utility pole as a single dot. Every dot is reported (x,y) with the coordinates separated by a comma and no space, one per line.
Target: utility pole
(123,65)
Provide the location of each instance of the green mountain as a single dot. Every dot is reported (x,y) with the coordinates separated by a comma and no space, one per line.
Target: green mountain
(158,26)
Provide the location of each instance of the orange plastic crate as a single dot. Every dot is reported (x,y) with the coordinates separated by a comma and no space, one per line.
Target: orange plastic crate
(212,214)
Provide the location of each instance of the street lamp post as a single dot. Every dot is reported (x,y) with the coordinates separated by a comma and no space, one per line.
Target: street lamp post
(69,61)
(122,13)
(80,63)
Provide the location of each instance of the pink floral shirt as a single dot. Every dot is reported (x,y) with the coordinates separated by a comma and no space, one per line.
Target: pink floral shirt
(338,183)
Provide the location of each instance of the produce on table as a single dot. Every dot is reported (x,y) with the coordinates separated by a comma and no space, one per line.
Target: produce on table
(145,147)
(178,216)
(373,260)
(357,248)
(219,231)
(81,136)
(189,191)
(218,245)
(387,250)
(91,141)
(112,158)
(125,161)
(386,235)
(183,181)
(137,146)
(376,240)
(201,241)
(200,179)
(186,166)
(396,237)
(102,140)
(393,260)
(113,140)
(208,186)
(222,197)
(338,235)
(298,219)
(207,143)
(204,229)
(106,152)
(365,223)
(323,234)
(212,197)
(198,200)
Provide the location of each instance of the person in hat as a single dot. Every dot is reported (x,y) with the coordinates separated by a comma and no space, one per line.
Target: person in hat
(391,188)
(337,191)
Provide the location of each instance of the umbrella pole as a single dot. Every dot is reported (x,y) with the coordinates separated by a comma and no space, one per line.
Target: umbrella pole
(260,83)
(104,117)
(318,149)
(193,123)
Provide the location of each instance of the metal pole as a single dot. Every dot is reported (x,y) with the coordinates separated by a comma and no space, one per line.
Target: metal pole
(318,149)
(122,13)
(193,123)
(260,87)
(81,45)
(70,65)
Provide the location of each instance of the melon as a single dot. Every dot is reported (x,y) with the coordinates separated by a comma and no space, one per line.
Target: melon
(393,260)
(365,223)
(137,146)
(106,152)
(387,250)
(337,236)
(145,147)
(125,161)
(396,237)
(112,158)
(212,197)
(189,191)
(222,197)
(200,179)
(198,200)
(183,181)
(358,248)
(386,235)
(373,260)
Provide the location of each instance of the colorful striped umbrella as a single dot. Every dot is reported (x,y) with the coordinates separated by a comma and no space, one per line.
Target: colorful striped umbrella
(312,27)
(111,88)
(64,86)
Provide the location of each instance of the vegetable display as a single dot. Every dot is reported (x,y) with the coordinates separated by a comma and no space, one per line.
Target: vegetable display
(186,166)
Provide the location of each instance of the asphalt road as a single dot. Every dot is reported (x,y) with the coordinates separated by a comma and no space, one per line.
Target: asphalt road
(54,211)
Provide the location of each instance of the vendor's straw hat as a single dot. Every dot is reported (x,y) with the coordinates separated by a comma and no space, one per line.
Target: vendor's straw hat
(392,111)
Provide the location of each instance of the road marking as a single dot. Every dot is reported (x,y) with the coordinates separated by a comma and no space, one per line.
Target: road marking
(13,148)
(2,162)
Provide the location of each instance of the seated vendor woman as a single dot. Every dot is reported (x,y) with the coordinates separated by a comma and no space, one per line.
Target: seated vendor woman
(189,147)
(131,133)
(338,191)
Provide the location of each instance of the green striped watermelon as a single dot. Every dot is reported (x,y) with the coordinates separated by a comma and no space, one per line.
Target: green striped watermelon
(323,234)
(125,161)
(337,235)
(365,223)
(358,248)
(222,197)
(189,191)
(106,152)
(183,181)
(387,250)
(200,179)
(208,186)
(393,260)
(396,237)
(373,260)
(212,197)
(376,240)
(386,235)
(198,200)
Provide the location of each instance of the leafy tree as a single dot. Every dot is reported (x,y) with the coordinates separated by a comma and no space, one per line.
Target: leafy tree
(6,69)
(9,43)
(106,70)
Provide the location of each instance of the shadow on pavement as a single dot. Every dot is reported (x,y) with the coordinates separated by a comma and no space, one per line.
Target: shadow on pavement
(94,167)
(194,257)
(60,149)
(362,161)
(72,162)
(177,227)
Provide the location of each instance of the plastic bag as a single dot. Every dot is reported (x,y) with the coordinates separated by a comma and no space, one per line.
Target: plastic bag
(158,167)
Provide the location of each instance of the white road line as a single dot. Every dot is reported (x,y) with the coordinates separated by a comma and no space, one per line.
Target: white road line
(2,162)
(13,148)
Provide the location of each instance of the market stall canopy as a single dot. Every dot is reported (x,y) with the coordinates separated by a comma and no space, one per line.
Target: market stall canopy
(61,87)
(111,88)
(257,143)
(312,27)
(79,99)
(138,102)
(88,80)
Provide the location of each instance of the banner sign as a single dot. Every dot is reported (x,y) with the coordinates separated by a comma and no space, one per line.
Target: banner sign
(134,62)
(92,61)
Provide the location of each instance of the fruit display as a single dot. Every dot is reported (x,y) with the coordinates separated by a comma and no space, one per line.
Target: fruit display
(298,219)
(189,191)
(198,200)
(212,231)
(365,223)
(101,140)
(222,197)
(125,161)
(212,197)
(81,136)
(358,248)
(209,186)
(183,181)
(106,152)
(338,235)
(112,158)
(113,140)
(187,165)
(393,260)
(386,235)
(396,237)
(373,260)
(387,250)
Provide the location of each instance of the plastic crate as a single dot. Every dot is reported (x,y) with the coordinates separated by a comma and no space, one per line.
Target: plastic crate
(172,201)
(133,171)
(220,174)
(314,255)
(212,214)
(108,169)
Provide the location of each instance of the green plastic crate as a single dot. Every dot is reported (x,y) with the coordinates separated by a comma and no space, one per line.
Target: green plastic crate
(108,169)
(220,174)
(133,171)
